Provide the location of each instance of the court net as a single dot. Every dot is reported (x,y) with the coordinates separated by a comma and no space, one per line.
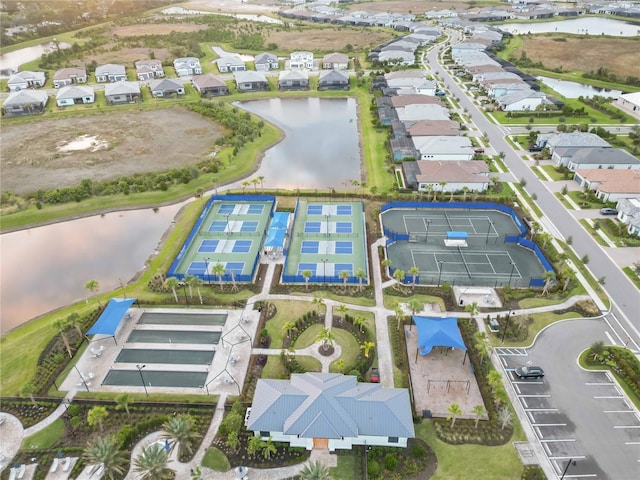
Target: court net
(464,262)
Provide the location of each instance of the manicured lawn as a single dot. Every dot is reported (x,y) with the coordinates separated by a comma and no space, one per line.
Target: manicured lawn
(274,368)
(540,320)
(345,468)
(596,236)
(287,311)
(364,302)
(350,348)
(391,301)
(310,364)
(553,173)
(46,438)
(309,336)
(370,322)
(630,272)
(215,460)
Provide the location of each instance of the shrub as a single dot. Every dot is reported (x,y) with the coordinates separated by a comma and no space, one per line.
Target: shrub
(373,468)
(390,462)
(417,451)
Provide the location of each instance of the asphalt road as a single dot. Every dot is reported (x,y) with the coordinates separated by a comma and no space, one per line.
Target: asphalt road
(623,293)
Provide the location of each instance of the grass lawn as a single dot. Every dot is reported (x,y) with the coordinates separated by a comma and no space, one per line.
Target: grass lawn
(364,302)
(215,460)
(350,347)
(274,368)
(287,311)
(46,438)
(391,301)
(540,320)
(310,364)
(553,173)
(370,322)
(345,468)
(309,336)
(480,462)
(593,232)
(630,272)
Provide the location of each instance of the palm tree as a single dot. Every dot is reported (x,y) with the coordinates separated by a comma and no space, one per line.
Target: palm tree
(548,276)
(268,448)
(289,327)
(93,286)
(74,320)
(61,325)
(478,411)
(473,309)
(327,337)
(218,270)
(340,365)
(360,275)
(123,403)
(261,180)
(342,310)
(152,463)
(253,445)
(307,275)
(344,275)
(495,380)
(414,272)
(359,321)
(366,348)
(454,412)
(197,282)
(245,184)
(233,441)
(106,451)
(398,276)
(399,314)
(317,301)
(442,185)
(181,429)
(172,283)
(386,263)
(96,416)
(255,182)
(465,190)
(188,279)
(315,471)
(482,345)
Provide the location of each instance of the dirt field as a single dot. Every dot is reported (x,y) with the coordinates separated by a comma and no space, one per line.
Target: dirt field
(260,6)
(327,39)
(126,56)
(413,6)
(41,155)
(156,29)
(594,52)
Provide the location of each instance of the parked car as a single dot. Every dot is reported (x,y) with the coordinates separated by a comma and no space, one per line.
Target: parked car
(535,148)
(478,150)
(608,211)
(440,93)
(529,371)
(375,375)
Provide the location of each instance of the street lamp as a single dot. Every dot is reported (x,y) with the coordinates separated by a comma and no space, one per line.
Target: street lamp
(140,367)
(227,226)
(326,224)
(513,267)
(570,462)
(206,269)
(426,240)
(440,264)
(506,326)
(324,269)
(488,231)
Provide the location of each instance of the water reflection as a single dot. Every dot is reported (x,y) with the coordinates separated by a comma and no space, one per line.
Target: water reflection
(320,148)
(11,61)
(574,89)
(586,26)
(46,267)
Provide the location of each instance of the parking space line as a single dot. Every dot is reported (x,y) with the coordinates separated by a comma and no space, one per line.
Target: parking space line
(524,402)
(632,443)
(516,388)
(540,435)
(573,457)
(515,382)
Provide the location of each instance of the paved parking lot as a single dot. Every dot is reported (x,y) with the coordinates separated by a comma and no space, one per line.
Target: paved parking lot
(588,429)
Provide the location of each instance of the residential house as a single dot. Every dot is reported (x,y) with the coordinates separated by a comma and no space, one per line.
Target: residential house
(630,103)
(422,112)
(230,63)
(209,85)
(148,69)
(25,102)
(629,214)
(266,61)
(335,61)
(397,57)
(456,176)
(522,100)
(122,92)
(414,99)
(441,128)
(330,410)
(111,73)
(402,148)
(569,140)
(69,76)
(26,79)
(301,60)
(250,81)
(166,87)
(187,66)
(498,88)
(441,148)
(333,80)
(610,185)
(419,86)
(75,94)
(293,80)
(598,157)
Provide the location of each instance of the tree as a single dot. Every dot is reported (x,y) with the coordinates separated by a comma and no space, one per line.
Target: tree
(386,263)
(253,445)
(415,306)
(181,429)
(548,277)
(107,451)
(315,471)
(465,190)
(327,337)
(342,310)
(398,276)
(233,441)
(414,272)
(317,301)
(261,180)
(27,389)
(344,275)
(585,259)
(289,327)
(307,275)
(61,325)
(454,412)
(504,417)
(360,275)
(268,448)
(340,365)
(359,321)
(482,345)
(442,185)
(188,280)
(495,380)
(473,309)
(152,464)
(570,240)
(96,417)
(197,282)
(93,286)
(123,401)
(596,349)
(218,270)
(366,348)
(399,314)
(478,411)
(172,283)
(73,320)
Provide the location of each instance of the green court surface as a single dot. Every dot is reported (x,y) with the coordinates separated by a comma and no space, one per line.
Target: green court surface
(480,258)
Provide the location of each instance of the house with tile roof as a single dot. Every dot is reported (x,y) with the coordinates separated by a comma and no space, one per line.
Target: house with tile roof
(333,80)
(570,140)
(209,85)
(266,61)
(293,80)
(230,63)
(69,76)
(443,148)
(26,79)
(335,61)
(301,60)
(250,81)
(187,66)
(595,157)
(318,409)
(429,176)
(610,185)
(166,87)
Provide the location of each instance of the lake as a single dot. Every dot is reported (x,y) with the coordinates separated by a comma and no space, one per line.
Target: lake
(11,61)
(585,25)
(574,89)
(321,145)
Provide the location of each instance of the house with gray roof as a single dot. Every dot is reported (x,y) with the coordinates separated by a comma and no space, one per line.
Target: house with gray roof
(330,409)
(266,61)
(422,112)
(148,69)
(75,95)
(629,214)
(521,100)
(111,73)
(25,102)
(335,61)
(444,148)
(22,80)
(122,92)
(397,57)
(333,80)
(293,80)
(600,157)
(187,66)
(301,60)
(69,76)
(230,63)
(209,85)
(166,87)
(250,81)
(570,140)
(420,86)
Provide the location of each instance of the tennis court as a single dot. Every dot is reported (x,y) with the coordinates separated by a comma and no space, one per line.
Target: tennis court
(460,247)
(230,232)
(328,240)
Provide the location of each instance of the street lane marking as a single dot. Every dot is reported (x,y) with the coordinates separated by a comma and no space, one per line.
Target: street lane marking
(613,342)
(550,424)
(535,396)
(559,440)
(614,330)
(541,409)
(608,396)
(626,426)
(598,383)
(618,411)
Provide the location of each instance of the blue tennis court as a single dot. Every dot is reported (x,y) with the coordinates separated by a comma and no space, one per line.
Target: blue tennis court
(241,246)
(235,267)
(310,246)
(344,267)
(197,268)
(208,246)
(314,209)
(249,226)
(344,227)
(312,227)
(226,208)
(255,209)
(343,209)
(218,226)
(312,267)
(344,248)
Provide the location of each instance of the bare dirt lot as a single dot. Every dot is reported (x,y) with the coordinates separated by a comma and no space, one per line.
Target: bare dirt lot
(595,52)
(61,152)
(156,29)
(126,56)
(327,39)
(411,6)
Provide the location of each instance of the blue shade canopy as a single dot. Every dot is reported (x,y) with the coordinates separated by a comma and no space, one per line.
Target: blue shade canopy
(438,332)
(108,322)
(280,220)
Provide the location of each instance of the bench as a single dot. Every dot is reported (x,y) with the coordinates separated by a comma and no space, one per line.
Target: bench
(54,465)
